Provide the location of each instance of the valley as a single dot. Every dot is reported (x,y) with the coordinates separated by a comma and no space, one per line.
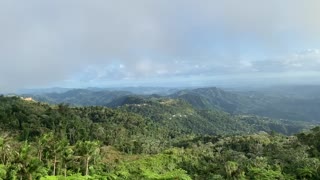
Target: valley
(86,134)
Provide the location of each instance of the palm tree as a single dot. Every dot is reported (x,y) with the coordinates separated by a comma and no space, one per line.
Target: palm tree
(87,150)
(24,162)
(5,150)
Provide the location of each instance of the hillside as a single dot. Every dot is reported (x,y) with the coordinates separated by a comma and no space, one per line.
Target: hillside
(79,97)
(176,113)
(157,138)
(30,119)
(215,98)
(274,103)
(176,117)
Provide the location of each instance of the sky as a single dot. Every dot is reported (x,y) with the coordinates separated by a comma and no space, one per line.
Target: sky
(104,43)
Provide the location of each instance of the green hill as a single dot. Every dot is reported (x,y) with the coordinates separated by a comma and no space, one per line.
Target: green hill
(179,115)
(274,105)
(149,138)
(79,97)
(214,98)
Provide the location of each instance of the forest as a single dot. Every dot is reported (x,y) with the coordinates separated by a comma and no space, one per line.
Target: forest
(155,138)
(288,102)
(159,90)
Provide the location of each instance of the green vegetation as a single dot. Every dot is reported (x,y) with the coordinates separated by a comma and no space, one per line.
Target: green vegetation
(181,116)
(290,103)
(83,97)
(297,103)
(150,138)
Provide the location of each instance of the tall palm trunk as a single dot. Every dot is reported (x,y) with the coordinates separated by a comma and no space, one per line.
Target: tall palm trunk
(87,165)
(65,170)
(54,165)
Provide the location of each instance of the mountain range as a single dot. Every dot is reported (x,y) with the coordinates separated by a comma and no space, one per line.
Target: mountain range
(299,103)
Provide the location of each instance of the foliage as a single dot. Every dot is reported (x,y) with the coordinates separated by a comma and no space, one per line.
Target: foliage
(40,141)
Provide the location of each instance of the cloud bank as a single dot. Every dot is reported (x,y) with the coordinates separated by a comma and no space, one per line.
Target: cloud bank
(47,42)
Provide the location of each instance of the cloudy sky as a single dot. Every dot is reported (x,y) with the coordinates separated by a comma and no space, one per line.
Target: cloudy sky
(81,43)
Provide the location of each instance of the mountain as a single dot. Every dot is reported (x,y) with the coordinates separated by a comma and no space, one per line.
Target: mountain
(293,91)
(126,100)
(149,138)
(140,90)
(44,90)
(286,102)
(146,90)
(83,97)
(214,98)
(173,118)
(178,115)
(296,103)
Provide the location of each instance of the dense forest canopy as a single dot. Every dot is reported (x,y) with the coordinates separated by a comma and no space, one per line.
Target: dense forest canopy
(152,138)
(298,103)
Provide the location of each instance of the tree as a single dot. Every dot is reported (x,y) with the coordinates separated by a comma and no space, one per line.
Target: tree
(3,172)
(25,164)
(5,150)
(66,157)
(87,150)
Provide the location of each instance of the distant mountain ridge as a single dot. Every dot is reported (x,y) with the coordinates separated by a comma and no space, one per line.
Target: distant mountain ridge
(294,106)
(134,90)
(44,90)
(213,98)
(80,97)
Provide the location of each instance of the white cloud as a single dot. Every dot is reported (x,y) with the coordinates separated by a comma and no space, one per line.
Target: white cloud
(308,60)
(43,42)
